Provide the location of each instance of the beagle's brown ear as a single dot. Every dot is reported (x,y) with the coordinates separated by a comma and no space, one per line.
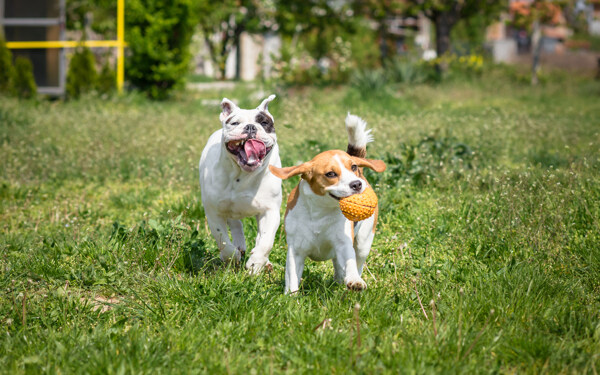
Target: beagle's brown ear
(287,172)
(376,165)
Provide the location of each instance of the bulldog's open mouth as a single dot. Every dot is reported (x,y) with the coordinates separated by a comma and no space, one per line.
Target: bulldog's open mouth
(250,152)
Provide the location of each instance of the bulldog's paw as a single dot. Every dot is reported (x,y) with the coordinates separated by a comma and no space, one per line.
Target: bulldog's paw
(257,264)
(231,254)
(357,284)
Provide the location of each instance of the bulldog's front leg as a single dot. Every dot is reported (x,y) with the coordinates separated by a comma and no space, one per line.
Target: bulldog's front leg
(218,229)
(267,224)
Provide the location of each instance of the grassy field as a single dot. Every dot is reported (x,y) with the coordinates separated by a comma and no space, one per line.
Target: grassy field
(486,260)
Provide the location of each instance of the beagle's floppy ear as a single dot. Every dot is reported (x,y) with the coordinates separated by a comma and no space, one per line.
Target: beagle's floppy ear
(264,106)
(287,172)
(227,107)
(376,165)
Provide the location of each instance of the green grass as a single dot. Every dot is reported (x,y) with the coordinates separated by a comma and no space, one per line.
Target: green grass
(490,213)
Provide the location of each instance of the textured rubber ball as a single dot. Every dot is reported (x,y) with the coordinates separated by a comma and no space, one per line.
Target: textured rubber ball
(359,207)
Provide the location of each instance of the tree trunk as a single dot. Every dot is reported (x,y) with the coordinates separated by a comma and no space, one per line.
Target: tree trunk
(238,58)
(443,27)
(444,22)
(537,40)
(383,47)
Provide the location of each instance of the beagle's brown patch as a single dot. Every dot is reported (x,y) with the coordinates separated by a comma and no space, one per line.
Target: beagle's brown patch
(292,199)
(375,216)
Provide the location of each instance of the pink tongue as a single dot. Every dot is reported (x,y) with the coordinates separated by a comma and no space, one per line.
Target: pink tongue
(255,150)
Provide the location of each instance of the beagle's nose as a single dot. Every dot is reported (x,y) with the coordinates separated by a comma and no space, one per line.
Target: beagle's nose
(356,185)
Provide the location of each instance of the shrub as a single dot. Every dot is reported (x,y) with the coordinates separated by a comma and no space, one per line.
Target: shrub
(369,82)
(426,161)
(459,67)
(24,83)
(159,33)
(106,79)
(82,76)
(6,67)
(407,70)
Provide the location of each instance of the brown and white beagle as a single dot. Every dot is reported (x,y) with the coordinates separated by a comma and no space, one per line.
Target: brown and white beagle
(314,224)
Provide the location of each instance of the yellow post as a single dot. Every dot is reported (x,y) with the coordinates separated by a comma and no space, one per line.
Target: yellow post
(120,44)
(63,44)
(121,41)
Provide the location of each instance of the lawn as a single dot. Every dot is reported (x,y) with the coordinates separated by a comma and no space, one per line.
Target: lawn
(486,258)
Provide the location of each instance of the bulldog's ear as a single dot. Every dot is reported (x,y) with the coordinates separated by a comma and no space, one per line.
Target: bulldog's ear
(376,165)
(264,106)
(227,107)
(287,172)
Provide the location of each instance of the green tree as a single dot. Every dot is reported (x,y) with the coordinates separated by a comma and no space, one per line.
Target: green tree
(98,15)
(445,14)
(222,24)
(380,11)
(106,79)
(82,75)
(318,22)
(6,67)
(158,33)
(24,84)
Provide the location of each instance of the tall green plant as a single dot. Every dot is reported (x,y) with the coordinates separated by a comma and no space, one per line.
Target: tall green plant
(6,67)
(106,79)
(82,75)
(159,33)
(24,84)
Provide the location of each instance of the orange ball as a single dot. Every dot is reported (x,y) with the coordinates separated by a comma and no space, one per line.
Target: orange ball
(359,207)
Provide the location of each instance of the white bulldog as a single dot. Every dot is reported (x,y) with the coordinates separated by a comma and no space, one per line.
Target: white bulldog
(236,182)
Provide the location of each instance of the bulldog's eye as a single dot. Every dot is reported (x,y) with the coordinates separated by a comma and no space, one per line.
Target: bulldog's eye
(354,167)
(331,174)
(235,123)
(264,123)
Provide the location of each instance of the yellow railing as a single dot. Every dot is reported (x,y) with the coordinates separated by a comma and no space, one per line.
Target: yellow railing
(119,44)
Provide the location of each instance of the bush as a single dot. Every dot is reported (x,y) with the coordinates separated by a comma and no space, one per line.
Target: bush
(407,70)
(458,67)
(24,83)
(6,67)
(82,76)
(159,33)
(426,161)
(369,82)
(106,79)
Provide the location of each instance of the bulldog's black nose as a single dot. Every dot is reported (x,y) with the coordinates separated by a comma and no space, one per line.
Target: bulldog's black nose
(250,129)
(356,185)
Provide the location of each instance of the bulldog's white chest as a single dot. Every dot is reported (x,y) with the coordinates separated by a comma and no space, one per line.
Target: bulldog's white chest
(237,201)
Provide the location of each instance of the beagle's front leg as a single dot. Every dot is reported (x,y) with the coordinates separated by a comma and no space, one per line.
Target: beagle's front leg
(345,257)
(294,265)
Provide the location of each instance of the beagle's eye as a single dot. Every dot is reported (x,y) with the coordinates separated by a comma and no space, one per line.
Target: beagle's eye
(331,174)
(354,167)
